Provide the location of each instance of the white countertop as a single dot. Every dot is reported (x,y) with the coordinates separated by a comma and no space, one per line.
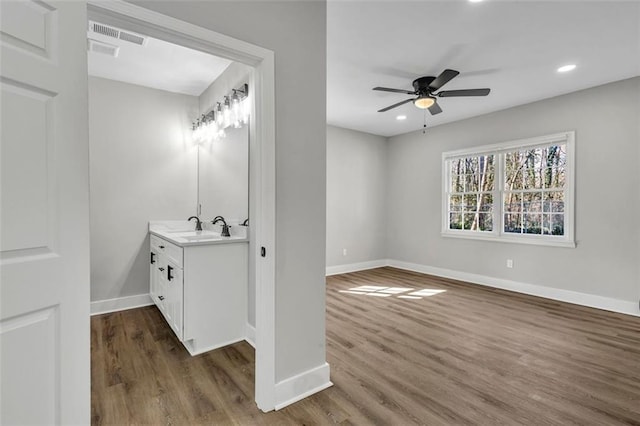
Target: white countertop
(182,233)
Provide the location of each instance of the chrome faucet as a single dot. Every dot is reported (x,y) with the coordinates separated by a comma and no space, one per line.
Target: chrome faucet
(225,227)
(198,222)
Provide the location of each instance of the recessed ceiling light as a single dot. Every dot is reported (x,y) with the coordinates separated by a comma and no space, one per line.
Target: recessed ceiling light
(401,117)
(567,68)
(475,1)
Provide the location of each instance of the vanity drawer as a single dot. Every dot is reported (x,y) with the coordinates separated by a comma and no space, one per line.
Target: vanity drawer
(172,251)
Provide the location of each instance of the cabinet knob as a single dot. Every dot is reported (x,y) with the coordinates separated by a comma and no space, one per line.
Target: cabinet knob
(161,269)
(161,297)
(161,247)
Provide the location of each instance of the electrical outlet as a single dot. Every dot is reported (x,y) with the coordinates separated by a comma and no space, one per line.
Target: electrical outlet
(509,263)
(344,252)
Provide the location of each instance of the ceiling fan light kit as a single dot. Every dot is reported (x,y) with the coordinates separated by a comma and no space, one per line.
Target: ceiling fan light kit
(424,102)
(426,90)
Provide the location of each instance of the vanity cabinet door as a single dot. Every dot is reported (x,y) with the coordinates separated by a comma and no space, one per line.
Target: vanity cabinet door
(173,301)
(153,275)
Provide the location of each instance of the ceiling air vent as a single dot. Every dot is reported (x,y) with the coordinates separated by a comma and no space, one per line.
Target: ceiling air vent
(103,48)
(114,32)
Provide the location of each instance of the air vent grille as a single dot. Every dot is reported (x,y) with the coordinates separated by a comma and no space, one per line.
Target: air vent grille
(105,30)
(133,38)
(103,48)
(113,32)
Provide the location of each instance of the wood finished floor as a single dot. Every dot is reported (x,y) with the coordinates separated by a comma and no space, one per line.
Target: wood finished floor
(468,355)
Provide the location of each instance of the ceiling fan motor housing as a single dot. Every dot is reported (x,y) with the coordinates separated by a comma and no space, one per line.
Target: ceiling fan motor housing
(421,85)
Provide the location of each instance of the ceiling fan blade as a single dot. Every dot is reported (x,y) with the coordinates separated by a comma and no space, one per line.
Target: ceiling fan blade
(435,109)
(386,89)
(443,79)
(466,92)
(395,105)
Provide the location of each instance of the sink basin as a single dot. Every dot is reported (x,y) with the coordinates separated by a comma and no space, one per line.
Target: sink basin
(202,237)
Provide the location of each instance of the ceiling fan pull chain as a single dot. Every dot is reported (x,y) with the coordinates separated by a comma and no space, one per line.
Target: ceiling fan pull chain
(424,125)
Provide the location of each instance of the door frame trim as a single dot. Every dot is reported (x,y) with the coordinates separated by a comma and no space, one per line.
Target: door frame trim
(262,149)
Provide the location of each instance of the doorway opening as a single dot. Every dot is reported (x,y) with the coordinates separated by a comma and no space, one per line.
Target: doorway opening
(259,64)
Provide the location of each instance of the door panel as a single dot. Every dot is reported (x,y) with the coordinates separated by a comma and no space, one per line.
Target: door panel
(44,214)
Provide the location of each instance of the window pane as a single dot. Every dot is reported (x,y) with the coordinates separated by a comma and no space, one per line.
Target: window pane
(553,224)
(455,221)
(554,201)
(455,203)
(485,222)
(471,183)
(532,224)
(554,177)
(469,220)
(532,202)
(556,155)
(513,222)
(512,202)
(486,203)
(470,202)
(532,178)
(514,181)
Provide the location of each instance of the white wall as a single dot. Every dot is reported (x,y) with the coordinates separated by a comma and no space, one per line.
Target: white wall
(606,260)
(356,196)
(296,32)
(142,168)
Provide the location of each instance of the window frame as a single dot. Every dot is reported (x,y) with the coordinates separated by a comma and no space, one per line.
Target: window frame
(498,150)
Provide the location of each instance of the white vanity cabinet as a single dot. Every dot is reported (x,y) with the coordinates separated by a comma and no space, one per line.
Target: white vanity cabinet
(201,289)
(166,282)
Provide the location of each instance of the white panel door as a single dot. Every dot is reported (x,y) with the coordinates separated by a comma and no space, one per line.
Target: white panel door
(44,214)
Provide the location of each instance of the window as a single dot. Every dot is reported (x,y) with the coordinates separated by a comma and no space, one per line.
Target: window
(519,191)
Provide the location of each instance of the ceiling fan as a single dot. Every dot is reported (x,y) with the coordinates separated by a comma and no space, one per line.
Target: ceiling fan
(426,90)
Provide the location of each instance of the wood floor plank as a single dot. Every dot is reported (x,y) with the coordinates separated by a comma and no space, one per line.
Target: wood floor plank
(465,355)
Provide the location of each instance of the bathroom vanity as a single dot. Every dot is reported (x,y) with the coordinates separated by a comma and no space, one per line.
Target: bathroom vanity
(198,280)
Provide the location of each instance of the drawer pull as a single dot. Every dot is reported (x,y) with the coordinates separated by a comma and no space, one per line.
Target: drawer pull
(152,259)
(161,297)
(169,276)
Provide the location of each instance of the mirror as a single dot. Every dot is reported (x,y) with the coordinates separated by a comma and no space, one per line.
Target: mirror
(223,177)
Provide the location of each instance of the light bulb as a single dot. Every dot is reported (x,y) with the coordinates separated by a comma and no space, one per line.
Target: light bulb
(245,110)
(227,112)
(219,116)
(235,108)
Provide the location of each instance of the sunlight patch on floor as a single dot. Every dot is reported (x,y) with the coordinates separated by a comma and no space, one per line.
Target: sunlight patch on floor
(399,292)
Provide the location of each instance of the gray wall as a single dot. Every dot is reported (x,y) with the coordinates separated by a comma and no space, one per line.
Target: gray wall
(296,32)
(606,260)
(142,168)
(356,196)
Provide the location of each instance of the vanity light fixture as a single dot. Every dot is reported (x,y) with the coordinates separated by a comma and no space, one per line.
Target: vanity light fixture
(232,111)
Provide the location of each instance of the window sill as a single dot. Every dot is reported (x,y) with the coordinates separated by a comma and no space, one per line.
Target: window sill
(529,239)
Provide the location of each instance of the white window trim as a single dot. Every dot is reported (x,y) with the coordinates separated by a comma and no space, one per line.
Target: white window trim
(497,235)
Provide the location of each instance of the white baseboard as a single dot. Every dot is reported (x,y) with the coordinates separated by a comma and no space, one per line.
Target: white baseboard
(251,335)
(353,267)
(120,304)
(302,385)
(584,299)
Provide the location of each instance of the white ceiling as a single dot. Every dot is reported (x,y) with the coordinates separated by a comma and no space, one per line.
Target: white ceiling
(158,64)
(512,47)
